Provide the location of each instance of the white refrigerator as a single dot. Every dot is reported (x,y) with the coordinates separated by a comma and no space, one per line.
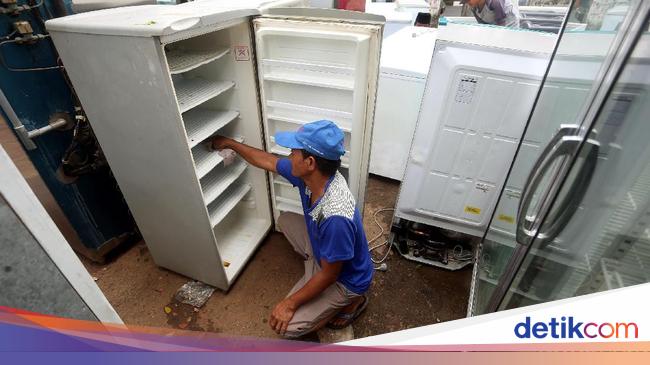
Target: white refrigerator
(158,81)
(479,93)
(404,65)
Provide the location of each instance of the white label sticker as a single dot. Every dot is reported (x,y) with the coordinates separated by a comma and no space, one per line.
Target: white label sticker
(466,89)
(242,53)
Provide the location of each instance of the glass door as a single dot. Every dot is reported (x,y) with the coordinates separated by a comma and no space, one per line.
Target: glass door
(571,208)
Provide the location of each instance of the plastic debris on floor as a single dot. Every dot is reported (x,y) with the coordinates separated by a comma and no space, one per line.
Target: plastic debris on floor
(194,293)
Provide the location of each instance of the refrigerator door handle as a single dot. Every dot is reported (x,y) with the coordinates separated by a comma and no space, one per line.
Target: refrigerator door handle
(573,197)
(559,146)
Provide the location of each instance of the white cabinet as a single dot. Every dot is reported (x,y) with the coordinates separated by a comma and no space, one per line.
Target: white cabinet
(158,81)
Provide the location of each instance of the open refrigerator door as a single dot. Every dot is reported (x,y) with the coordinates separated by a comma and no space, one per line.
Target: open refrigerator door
(317,64)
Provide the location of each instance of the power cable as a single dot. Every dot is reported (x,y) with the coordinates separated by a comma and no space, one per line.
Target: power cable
(378,236)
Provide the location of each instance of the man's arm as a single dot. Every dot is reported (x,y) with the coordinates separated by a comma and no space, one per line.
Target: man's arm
(254,156)
(284,311)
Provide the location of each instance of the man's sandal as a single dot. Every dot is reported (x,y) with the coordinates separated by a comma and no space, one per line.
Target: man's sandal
(348,317)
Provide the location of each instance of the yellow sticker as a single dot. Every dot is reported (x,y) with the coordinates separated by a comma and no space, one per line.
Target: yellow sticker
(472,210)
(506,218)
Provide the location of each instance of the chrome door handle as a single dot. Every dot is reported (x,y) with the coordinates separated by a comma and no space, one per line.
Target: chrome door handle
(562,144)
(570,202)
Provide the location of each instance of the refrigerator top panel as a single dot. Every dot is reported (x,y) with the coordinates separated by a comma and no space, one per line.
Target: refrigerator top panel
(150,20)
(340,16)
(408,52)
(81,6)
(412,4)
(258,4)
(585,44)
(518,40)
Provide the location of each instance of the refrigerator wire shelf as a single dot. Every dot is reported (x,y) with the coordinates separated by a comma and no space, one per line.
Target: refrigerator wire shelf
(218,180)
(181,60)
(192,92)
(220,208)
(201,123)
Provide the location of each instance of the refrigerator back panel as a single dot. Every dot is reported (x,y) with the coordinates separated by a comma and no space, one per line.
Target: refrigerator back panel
(577,62)
(310,70)
(475,107)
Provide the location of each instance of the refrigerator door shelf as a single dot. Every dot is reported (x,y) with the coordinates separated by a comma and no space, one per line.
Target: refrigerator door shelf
(283,151)
(316,69)
(289,111)
(300,122)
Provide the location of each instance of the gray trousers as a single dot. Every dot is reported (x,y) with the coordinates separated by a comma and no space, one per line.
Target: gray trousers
(330,301)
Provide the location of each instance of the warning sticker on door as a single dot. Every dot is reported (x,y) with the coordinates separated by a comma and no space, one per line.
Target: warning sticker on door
(472,210)
(242,53)
(506,218)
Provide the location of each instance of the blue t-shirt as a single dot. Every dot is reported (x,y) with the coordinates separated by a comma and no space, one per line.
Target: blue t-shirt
(335,229)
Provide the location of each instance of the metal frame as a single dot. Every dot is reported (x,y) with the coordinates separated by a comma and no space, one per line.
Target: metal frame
(29,210)
(624,43)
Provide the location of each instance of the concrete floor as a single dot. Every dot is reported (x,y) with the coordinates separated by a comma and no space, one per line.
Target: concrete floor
(407,295)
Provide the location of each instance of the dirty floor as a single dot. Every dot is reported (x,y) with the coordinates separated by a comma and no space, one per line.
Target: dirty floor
(407,295)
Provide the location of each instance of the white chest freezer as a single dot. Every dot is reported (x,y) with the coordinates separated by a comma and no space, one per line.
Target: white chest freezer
(158,81)
(479,93)
(405,61)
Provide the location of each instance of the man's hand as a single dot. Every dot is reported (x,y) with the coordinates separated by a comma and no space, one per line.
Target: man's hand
(281,315)
(220,142)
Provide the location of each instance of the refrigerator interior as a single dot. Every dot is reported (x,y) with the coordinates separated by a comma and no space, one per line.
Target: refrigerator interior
(216,93)
(476,103)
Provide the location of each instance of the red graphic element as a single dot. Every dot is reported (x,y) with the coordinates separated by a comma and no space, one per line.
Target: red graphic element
(242,53)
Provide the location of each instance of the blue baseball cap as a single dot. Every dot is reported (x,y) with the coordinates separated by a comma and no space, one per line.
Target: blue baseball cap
(321,138)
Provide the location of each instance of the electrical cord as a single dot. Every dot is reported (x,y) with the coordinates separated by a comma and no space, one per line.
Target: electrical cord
(4,63)
(8,36)
(378,236)
(37,5)
(25,7)
(460,254)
